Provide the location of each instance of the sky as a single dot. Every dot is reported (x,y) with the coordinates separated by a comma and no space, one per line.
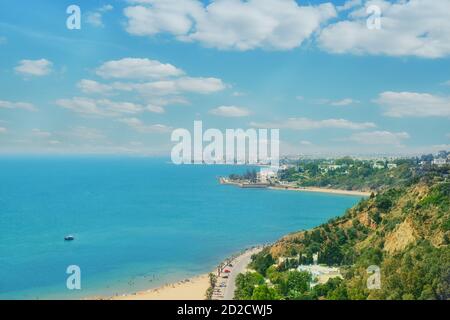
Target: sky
(334,78)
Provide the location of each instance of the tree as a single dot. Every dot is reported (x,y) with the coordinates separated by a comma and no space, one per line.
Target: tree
(245,285)
(292,284)
(263,292)
(261,262)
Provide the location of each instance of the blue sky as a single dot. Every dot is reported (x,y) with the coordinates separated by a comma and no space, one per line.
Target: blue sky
(138,69)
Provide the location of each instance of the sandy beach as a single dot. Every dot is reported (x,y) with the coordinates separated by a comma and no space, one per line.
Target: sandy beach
(195,288)
(324,190)
(304,189)
(189,289)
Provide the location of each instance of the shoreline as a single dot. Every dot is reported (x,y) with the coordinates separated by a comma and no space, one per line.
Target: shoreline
(191,289)
(226,181)
(195,288)
(323,190)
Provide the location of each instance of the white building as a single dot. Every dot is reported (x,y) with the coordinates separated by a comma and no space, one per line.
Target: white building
(391,166)
(440,162)
(267,174)
(320,274)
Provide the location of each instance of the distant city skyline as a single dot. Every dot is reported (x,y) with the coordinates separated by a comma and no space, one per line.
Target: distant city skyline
(139,69)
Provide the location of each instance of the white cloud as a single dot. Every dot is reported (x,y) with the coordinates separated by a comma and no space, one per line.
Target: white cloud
(338,103)
(349,5)
(167,86)
(101,107)
(85,133)
(230,24)
(379,138)
(167,83)
(408,28)
(412,104)
(95,18)
(309,124)
(139,126)
(155,108)
(306,143)
(135,68)
(40,133)
(344,102)
(17,105)
(91,86)
(3,130)
(157,88)
(176,86)
(81,105)
(36,68)
(230,112)
(200,85)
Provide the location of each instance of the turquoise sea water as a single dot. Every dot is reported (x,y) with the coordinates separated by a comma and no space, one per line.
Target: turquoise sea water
(138,222)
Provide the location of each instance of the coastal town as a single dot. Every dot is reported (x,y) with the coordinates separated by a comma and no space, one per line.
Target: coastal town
(347,174)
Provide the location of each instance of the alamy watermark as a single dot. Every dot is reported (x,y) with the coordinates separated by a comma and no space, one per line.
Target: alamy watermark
(73,281)
(374,280)
(73,22)
(234,146)
(373,22)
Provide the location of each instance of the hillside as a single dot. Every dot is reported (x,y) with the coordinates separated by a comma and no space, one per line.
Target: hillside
(405,231)
(349,174)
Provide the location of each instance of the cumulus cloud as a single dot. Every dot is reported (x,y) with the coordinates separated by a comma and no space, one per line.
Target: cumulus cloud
(17,105)
(158,85)
(155,108)
(229,24)
(349,5)
(35,68)
(99,107)
(40,133)
(344,102)
(139,126)
(157,88)
(91,86)
(86,134)
(412,104)
(176,86)
(338,103)
(309,124)
(95,18)
(379,138)
(230,112)
(408,28)
(135,68)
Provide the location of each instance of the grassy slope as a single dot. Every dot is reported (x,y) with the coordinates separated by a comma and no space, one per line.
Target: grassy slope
(405,231)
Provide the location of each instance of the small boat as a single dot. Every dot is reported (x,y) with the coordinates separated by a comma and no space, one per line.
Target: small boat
(69,238)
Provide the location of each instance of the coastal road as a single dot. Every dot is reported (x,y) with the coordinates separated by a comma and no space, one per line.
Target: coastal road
(239,266)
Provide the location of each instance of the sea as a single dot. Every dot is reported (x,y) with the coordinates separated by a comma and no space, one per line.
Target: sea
(138,222)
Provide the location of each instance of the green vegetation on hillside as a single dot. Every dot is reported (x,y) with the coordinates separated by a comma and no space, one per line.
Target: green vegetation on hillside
(405,230)
(349,174)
